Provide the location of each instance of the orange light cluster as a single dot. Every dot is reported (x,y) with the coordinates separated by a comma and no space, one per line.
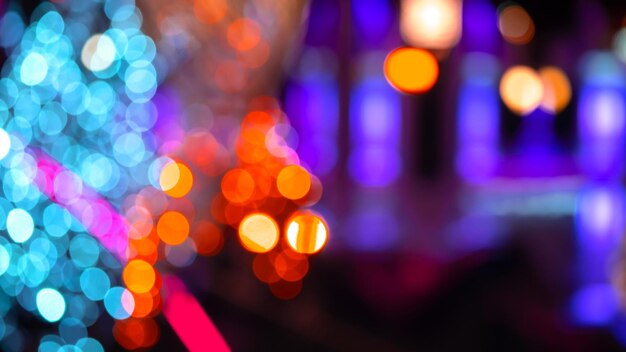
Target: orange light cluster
(261,197)
(164,218)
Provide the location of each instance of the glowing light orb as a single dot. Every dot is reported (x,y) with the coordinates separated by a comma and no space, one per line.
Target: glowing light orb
(433,24)
(5,143)
(50,304)
(34,69)
(176,179)
(515,25)
(243,34)
(557,90)
(411,70)
(98,52)
(521,89)
(20,225)
(173,228)
(119,303)
(307,233)
(258,233)
(238,185)
(293,182)
(210,11)
(139,276)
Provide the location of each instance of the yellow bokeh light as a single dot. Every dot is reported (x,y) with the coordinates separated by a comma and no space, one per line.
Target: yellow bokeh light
(307,233)
(293,182)
(557,91)
(433,24)
(411,70)
(139,276)
(521,89)
(515,25)
(176,179)
(258,233)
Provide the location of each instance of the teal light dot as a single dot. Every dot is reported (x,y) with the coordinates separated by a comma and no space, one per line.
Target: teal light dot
(5,260)
(5,143)
(52,119)
(50,304)
(50,27)
(129,149)
(119,303)
(34,69)
(71,330)
(89,344)
(20,225)
(33,269)
(102,98)
(49,346)
(75,98)
(11,29)
(56,220)
(8,91)
(95,283)
(84,251)
(140,77)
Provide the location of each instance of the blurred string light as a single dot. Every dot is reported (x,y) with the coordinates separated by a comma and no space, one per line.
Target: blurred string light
(515,24)
(432,24)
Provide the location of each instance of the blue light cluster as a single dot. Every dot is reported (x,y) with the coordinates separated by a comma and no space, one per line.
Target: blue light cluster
(83,98)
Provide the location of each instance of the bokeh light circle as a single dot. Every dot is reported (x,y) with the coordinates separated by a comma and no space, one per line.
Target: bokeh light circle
(258,233)
(50,304)
(521,89)
(307,233)
(411,70)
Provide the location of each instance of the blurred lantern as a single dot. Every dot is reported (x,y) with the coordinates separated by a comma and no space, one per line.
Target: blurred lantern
(432,24)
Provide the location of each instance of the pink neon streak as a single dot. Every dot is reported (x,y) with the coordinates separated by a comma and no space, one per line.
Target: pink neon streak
(181,309)
(94,212)
(189,320)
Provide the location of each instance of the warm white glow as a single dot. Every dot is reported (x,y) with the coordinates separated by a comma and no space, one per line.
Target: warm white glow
(98,52)
(521,89)
(432,24)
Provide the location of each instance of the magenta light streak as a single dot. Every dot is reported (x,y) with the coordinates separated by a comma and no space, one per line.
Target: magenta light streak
(94,212)
(102,221)
(189,320)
